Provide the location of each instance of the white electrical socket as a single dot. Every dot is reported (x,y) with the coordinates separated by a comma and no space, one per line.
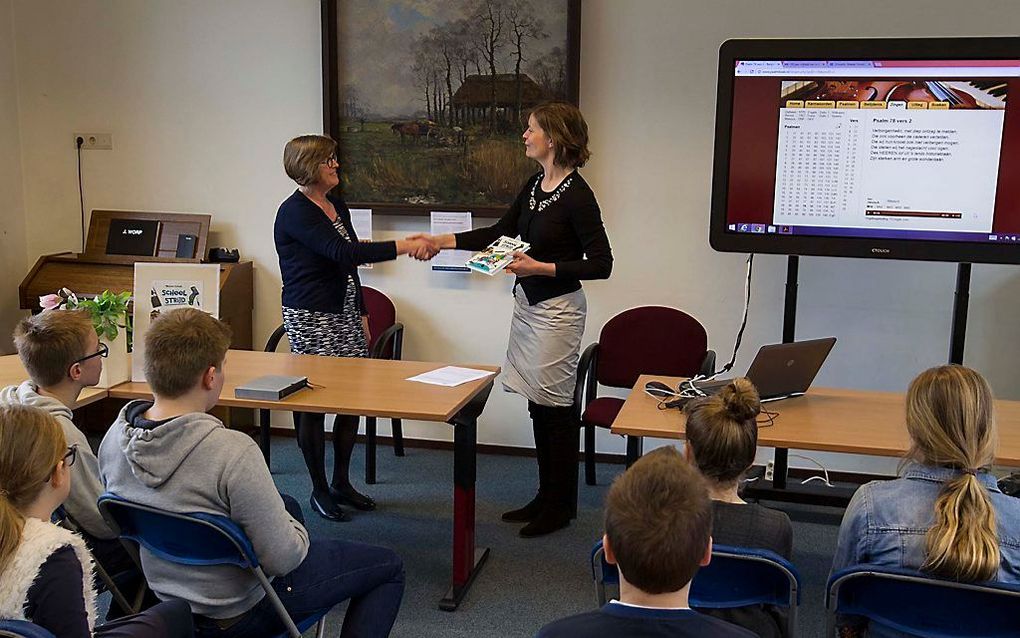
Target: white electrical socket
(770,470)
(94,141)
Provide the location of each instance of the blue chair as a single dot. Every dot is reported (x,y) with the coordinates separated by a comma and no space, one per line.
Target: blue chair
(197,539)
(736,577)
(916,604)
(22,629)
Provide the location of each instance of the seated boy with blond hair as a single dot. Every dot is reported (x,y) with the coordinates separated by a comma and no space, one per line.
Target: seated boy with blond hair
(658,532)
(170,454)
(63,356)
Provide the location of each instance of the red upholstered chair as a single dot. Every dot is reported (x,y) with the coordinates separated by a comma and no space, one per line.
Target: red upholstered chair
(387,343)
(643,340)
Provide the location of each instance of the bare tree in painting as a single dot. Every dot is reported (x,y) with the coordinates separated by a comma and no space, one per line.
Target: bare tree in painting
(550,72)
(523,26)
(490,22)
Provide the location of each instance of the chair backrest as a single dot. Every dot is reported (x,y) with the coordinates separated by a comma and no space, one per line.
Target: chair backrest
(740,576)
(185,539)
(914,603)
(649,340)
(22,629)
(736,577)
(381,315)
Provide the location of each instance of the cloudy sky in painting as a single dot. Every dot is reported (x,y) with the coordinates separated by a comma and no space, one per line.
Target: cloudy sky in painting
(376,38)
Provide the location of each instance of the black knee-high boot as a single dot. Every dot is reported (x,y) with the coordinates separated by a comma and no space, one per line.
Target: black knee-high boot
(532,509)
(560,503)
(311,436)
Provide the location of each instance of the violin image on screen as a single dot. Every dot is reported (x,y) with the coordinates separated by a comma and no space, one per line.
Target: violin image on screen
(986,93)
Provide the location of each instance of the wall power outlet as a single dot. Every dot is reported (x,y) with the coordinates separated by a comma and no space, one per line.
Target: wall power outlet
(94,141)
(770,470)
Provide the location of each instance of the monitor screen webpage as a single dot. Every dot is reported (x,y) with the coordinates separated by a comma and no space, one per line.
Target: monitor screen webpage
(917,150)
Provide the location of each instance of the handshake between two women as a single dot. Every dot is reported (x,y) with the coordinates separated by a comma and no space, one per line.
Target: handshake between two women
(424,247)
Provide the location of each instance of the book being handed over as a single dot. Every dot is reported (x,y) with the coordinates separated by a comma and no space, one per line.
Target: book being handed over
(497,256)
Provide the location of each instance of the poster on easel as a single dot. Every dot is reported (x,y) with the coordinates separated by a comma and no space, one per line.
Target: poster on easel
(161,287)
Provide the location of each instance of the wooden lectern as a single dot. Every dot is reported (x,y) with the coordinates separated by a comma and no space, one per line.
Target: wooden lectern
(90,273)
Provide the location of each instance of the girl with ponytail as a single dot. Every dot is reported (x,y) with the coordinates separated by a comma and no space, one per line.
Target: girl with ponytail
(945,515)
(46,570)
(722,437)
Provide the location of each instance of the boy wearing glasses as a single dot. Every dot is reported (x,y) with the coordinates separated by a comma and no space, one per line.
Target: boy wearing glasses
(63,356)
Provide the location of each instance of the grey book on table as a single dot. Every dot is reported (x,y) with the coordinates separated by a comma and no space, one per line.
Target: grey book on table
(271,387)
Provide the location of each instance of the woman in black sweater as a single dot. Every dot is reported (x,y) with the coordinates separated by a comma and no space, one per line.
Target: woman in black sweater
(722,437)
(557,214)
(323,309)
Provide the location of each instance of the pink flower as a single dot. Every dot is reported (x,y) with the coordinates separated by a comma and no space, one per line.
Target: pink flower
(50,302)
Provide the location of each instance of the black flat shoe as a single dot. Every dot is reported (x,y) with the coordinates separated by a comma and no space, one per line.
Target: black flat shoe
(352,497)
(525,514)
(327,509)
(547,522)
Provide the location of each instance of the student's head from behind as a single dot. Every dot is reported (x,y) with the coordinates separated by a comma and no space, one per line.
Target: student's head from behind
(659,523)
(722,432)
(58,346)
(951,423)
(34,462)
(184,352)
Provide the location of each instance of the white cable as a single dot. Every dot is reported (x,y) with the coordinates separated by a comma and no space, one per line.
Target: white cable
(814,478)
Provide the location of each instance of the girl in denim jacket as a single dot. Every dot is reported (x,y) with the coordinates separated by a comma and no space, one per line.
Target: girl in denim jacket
(945,515)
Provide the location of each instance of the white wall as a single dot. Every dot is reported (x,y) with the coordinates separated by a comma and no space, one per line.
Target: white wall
(201,96)
(12,210)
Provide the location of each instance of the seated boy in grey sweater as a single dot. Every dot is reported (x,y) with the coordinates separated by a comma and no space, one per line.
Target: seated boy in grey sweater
(170,454)
(63,356)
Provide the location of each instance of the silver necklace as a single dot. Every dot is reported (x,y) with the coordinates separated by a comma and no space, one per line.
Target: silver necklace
(545,203)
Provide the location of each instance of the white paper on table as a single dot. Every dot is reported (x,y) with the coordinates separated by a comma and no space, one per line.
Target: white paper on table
(361,219)
(450,260)
(450,376)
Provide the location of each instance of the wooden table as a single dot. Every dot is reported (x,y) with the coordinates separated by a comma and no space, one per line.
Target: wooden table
(824,419)
(13,373)
(375,387)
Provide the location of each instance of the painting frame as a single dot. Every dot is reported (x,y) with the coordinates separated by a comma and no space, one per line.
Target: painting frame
(332,11)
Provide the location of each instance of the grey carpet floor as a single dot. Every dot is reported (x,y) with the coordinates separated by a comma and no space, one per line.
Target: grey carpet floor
(526,582)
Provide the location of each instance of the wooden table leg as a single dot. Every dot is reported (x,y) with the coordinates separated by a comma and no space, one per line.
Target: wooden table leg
(467,559)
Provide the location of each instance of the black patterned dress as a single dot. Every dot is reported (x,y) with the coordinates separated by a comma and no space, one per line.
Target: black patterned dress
(328,334)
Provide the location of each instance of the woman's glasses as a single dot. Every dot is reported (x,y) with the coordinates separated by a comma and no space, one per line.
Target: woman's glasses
(331,160)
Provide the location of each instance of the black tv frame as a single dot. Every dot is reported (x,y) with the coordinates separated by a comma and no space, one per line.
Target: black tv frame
(981,48)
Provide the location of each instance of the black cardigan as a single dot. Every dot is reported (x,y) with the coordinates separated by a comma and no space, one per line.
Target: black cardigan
(315,260)
(568,233)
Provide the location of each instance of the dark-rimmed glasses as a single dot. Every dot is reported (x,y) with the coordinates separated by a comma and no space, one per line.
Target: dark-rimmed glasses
(68,459)
(104,351)
(331,160)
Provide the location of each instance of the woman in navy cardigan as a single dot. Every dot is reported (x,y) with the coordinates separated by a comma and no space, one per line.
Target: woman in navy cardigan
(323,309)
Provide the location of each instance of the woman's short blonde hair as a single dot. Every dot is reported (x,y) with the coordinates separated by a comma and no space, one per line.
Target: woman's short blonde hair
(303,155)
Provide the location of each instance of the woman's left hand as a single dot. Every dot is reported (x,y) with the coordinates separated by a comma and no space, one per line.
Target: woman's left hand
(368,333)
(524,266)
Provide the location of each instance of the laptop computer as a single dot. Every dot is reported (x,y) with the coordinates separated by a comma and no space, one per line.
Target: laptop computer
(781,370)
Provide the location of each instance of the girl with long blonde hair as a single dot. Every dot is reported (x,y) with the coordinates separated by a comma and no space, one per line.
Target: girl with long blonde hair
(945,515)
(46,570)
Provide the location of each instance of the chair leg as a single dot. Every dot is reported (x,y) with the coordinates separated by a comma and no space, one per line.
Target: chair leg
(589,453)
(320,628)
(398,437)
(370,427)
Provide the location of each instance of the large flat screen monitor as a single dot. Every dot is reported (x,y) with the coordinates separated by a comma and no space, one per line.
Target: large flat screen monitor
(898,148)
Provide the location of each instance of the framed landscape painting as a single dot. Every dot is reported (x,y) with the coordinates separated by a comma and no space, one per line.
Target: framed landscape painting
(428,98)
